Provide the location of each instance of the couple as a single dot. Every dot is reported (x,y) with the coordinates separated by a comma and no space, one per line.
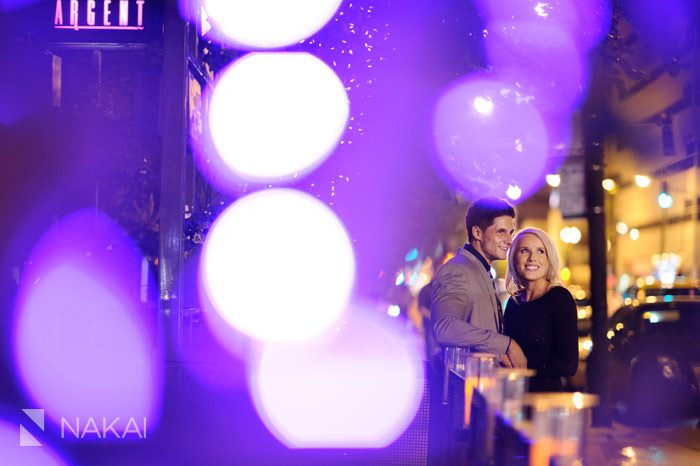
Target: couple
(538,330)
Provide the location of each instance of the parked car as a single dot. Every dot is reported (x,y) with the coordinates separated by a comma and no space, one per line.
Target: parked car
(656,290)
(654,350)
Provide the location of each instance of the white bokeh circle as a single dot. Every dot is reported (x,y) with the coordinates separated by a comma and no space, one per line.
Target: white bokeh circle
(276,115)
(278,266)
(358,385)
(269,23)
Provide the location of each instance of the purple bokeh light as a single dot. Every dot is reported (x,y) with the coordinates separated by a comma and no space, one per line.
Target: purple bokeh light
(489,139)
(217,351)
(18,99)
(665,26)
(543,64)
(588,21)
(84,342)
(11,453)
(324,393)
(10,5)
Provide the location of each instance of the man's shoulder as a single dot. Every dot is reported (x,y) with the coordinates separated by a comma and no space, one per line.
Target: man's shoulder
(464,258)
(462,263)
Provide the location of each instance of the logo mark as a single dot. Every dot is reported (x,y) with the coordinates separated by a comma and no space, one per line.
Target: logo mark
(26,439)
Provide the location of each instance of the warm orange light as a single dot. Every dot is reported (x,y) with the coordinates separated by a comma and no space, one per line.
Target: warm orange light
(565,274)
(448,256)
(469,384)
(543,449)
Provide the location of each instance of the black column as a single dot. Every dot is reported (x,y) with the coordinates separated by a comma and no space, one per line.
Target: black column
(173,131)
(594,133)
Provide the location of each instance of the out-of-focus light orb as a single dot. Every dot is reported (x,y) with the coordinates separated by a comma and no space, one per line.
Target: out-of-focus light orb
(665,200)
(544,65)
(483,106)
(278,265)
(565,274)
(542,9)
(624,282)
(570,235)
(621,228)
(629,452)
(609,185)
(642,181)
(269,23)
(359,385)
(411,255)
(588,20)
(554,199)
(587,344)
(575,235)
(514,192)
(553,180)
(393,310)
(486,153)
(400,278)
(83,343)
(274,116)
(12,453)
(634,234)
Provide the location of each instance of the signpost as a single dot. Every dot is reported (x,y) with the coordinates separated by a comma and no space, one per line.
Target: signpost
(572,194)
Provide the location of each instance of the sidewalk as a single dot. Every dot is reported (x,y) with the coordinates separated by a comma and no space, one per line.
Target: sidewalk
(622,445)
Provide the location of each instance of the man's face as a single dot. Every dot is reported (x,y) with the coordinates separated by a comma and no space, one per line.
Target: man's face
(496,239)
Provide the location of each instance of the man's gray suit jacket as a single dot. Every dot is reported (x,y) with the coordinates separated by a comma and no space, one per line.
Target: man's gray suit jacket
(464,308)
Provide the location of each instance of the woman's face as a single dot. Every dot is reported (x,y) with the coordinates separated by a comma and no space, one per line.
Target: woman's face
(531,263)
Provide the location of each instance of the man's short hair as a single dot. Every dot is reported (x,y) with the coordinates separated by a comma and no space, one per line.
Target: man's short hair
(484,210)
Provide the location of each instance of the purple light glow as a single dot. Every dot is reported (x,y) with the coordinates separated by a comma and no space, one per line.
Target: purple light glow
(268,23)
(102,28)
(82,346)
(560,133)
(587,20)
(663,25)
(10,5)
(219,356)
(542,63)
(271,290)
(12,453)
(18,96)
(274,116)
(357,386)
(489,139)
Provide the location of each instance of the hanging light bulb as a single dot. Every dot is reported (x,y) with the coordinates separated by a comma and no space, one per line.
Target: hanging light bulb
(664,199)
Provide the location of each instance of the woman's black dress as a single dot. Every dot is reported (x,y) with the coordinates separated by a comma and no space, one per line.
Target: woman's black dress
(545,328)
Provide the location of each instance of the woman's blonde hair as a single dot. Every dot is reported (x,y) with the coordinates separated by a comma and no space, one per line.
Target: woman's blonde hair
(514,282)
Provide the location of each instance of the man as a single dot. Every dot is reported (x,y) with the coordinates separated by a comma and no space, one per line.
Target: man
(465,307)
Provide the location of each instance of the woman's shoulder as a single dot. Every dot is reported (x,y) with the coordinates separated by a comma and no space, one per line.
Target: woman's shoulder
(512,301)
(559,291)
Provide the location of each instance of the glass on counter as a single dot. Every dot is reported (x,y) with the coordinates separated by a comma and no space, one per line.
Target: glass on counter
(510,388)
(478,370)
(559,424)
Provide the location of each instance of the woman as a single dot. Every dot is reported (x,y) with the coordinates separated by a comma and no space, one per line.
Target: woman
(540,314)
